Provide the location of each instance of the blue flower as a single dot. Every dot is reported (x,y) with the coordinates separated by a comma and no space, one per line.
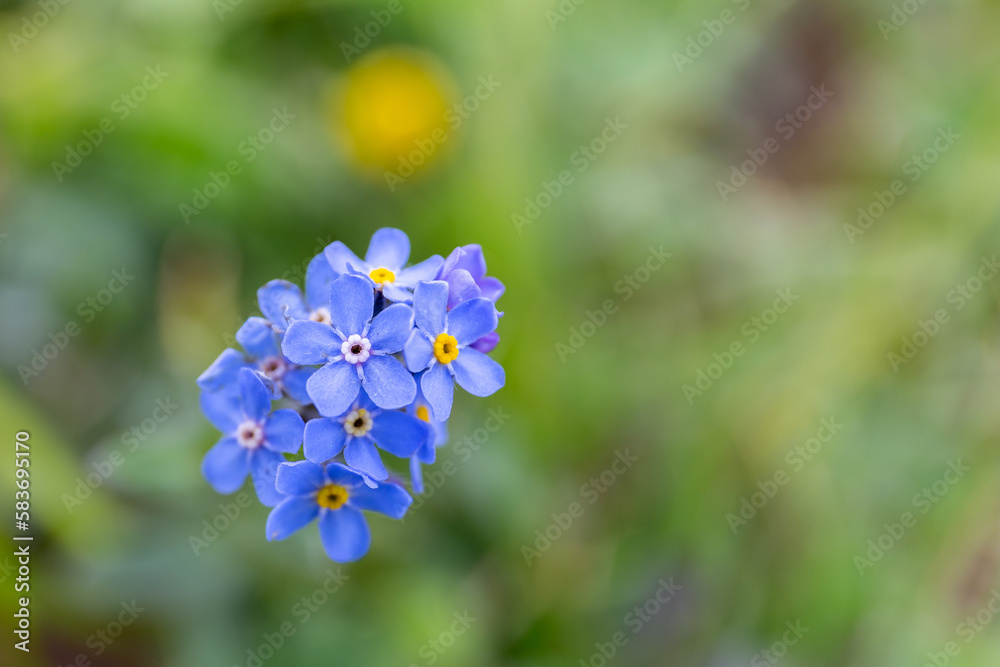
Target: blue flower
(355,348)
(441,343)
(437,435)
(254,441)
(336,495)
(465,272)
(359,431)
(263,354)
(383,264)
(282,302)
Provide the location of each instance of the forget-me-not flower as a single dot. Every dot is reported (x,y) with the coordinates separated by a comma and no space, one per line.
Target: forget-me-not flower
(387,254)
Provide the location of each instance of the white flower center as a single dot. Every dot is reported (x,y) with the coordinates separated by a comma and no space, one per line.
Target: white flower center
(321,315)
(357,422)
(250,435)
(355,349)
(274,367)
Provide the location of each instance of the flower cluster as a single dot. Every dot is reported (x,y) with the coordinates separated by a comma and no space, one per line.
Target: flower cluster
(364,361)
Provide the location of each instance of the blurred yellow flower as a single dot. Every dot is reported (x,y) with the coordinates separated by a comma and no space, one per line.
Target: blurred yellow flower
(391,111)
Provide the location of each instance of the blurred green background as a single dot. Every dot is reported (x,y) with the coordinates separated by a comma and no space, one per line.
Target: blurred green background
(116,119)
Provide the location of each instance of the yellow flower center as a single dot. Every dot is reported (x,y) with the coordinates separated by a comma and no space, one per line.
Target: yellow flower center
(332,496)
(422,413)
(445,348)
(380,276)
(357,422)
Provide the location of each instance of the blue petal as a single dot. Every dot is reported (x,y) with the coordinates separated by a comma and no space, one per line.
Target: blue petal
(397,293)
(338,473)
(300,478)
(344,534)
(492,288)
(471,320)
(361,455)
(389,248)
(226,465)
(319,275)
(254,395)
(341,258)
(222,409)
(307,343)
(289,516)
(352,299)
(418,351)
(258,338)
(461,287)
(471,259)
(389,499)
(281,302)
(430,306)
(334,387)
(388,383)
(283,431)
(427,453)
(425,270)
(263,469)
(390,328)
(416,475)
(223,372)
(324,439)
(476,373)
(294,382)
(439,390)
(398,433)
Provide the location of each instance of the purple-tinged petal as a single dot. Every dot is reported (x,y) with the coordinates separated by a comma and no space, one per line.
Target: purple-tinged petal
(389,499)
(319,276)
(334,387)
(300,478)
(225,465)
(391,328)
(398,433)
(492,288)
(308,343)
(389,248)
(361,455)
(263,469)
(472,320)
(341,258)
(387,382)
(472,260)
(486,343)
(324,439)
(439,390)
(290,515)
(281,302)
(476,373)
(294,382)
(223,372)
(425,270)
(222,409)
(344,534)
(352,299)
(418,351)
(430,306)
(258,338)
(461,287)
(255,397)
(340,474)
(283,431)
